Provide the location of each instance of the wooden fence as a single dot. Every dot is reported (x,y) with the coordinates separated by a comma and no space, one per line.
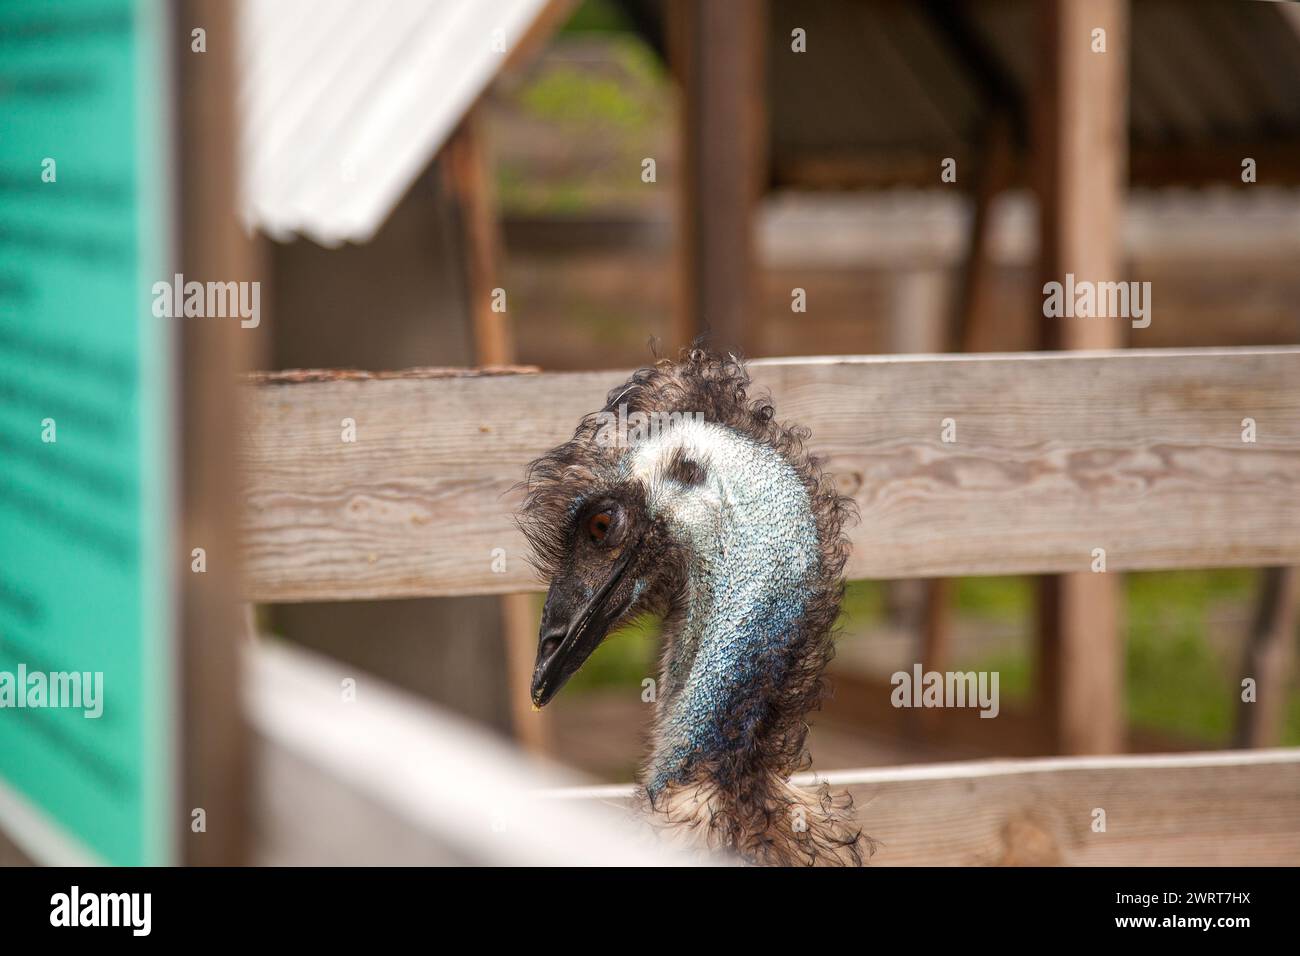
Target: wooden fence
(1208,809)
(1137,452)
(1164,459)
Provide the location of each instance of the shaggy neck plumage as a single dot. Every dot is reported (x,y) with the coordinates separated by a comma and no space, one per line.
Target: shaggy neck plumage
(733,639)
(744,546)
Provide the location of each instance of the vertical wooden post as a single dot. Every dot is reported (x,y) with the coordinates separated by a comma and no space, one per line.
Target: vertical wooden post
(1080,143)
(469,174)
(520,623)
(1081,152)
(212,353)
(973,318)
(970,320)
(1268,657)
(717,50)
(918,322)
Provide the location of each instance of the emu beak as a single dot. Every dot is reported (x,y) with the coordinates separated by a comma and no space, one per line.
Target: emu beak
(573,628)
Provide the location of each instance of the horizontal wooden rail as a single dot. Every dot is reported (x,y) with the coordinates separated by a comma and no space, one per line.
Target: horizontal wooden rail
(1207,809)
(1140,453)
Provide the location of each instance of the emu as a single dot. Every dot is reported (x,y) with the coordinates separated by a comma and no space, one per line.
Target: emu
(723,525)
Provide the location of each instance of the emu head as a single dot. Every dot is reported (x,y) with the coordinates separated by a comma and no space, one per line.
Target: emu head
(602,516)
(612,559)
(681,497)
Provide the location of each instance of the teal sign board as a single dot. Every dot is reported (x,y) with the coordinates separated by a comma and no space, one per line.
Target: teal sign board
(86,484)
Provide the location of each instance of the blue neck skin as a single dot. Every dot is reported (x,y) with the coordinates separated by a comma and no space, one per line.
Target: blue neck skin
(754,550)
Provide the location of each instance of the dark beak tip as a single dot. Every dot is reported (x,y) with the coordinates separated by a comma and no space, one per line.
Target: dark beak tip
(539,696)
(548,648)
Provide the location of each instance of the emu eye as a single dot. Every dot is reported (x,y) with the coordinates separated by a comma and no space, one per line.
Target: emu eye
(598,525)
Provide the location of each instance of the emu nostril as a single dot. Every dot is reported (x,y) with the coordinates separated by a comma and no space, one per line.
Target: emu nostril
(550,644)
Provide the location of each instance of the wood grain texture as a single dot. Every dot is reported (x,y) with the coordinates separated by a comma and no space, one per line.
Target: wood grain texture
(1209,809)
(1160,811)
(1137,452)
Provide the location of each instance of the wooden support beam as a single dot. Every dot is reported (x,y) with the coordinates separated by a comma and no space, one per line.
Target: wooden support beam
(1080,155)
(717,50)
(974,322)
(1080,149)
(468,177)
(469,180)
(935,626)
(1268,658)
(1139,452)
(1079,664)
(545,25)
(919,322)
(971,321)
(212,355)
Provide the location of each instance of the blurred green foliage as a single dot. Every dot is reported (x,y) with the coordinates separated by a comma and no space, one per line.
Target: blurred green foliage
(592,115)
(596,16)
(1177,679)
(568,95)
(625,659)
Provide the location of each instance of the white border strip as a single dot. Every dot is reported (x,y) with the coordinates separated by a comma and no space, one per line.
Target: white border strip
(452,783)
(965,358)
(971,769)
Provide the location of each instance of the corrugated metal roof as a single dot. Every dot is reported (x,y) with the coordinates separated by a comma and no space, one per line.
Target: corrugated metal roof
(343,102)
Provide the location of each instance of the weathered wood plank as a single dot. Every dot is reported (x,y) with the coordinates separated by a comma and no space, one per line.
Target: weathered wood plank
(1136,452)
(1207,809)
(1184,810)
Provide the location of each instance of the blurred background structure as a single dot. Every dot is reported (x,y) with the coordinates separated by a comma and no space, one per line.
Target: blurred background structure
(637,172)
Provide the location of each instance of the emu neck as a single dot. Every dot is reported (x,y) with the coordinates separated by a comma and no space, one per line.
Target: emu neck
(732,641)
